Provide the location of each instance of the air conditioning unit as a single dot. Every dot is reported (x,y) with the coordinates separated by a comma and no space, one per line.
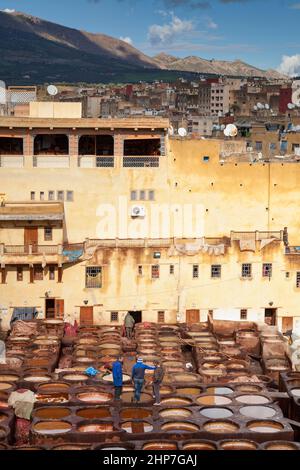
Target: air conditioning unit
(138,211)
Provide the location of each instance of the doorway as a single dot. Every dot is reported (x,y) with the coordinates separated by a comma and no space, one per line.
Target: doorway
(137,316)
(31,238)
(287,324)
(50,308)
(271,316)
(192,316)
(54,308)
(86,316)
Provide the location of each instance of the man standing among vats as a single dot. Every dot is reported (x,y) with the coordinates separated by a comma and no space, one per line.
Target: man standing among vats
(117,372)
(129,325)
(138,377)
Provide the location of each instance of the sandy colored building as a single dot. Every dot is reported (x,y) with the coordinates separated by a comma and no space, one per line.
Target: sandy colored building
(102,217)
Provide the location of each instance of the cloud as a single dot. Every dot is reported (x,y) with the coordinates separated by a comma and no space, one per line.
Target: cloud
(169,32)
(295,6)
(194,4)
(8,10)
(127,39)
(290,65)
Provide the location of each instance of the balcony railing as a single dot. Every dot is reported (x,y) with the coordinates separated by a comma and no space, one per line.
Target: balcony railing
(11,161)
(94,161)
(141,162)
(292,250)
(258,236)
(51,161)
(30,249)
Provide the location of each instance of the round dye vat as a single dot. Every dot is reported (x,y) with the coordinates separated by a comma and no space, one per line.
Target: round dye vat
(37,378)
(160,446)
(52,398)
(71,447)
(265,426)
(136,427)
(85,360)
(199,446)
(295,392)
(8,378)
(293,383)
(113,448)
(218,400)
(258,411)
(3,417)
(164,390)
(220,427)
(185,378)
(109,378)
(219,390)
(145,397)
(281,445)
(94,413)
(248,388)
(253,399)
(54,387)
(175,413)
(52,427)
(5,386)
(96,427)
(176,401)
(180,426)
(135,413)
(75,377)
(238,444)
(188,391)
(94,397)
(216,413)
(52,413)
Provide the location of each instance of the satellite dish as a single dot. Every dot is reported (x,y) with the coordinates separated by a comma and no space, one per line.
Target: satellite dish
(226,132)
(267,106)
(223,127)
(291,106)
(52,90)
(231,130)
(260,106)
(182,132)
(171,130)
(255,108)
(3,96)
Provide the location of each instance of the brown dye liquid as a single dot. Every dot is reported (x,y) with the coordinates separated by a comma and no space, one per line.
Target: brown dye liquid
(97,428)
(248,388)
(175,413)
(160,446)
(265,426)
(93,413)
(52,398)
(238,445)
(71,447)
(56,387)
(135,413)
(252,399)
(281,446)
(220,427)
(75,377)
(180,426)
(185,378)
(94,397)
(176,401)
(258,412)
(52,427)
(9,378)
(3,417)
(5,386)
(188,391)
(136,427)
(199,446)
(52,413)
(216,413)
(145,397)
(213,400)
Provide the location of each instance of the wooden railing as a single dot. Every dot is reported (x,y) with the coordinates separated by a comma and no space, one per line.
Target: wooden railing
(30,249)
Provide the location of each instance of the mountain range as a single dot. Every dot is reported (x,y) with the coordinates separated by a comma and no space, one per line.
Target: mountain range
(38,51)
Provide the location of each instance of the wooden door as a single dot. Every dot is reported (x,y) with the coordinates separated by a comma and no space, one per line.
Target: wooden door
(86,316)
(287,324)
(59,308)
(192,316)
(31,238)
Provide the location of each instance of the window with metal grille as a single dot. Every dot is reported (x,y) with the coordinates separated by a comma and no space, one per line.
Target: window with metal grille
(244,314)
(140,162)
(298,279)
(48,234)
(52,273)
(267,270)
(38,272)
(171,268)
(155,271)
(93,277)
(133,195)
(195,271)
(51,195)
(140,270)
(258,146)
(70,196)
(161,317)
(60,195)
(114,316)
(246,270)
(216,270)
(19,273)
(105,162)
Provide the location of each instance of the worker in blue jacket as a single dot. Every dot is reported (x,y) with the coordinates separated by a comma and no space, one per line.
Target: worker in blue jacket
(138,377)
(117,372)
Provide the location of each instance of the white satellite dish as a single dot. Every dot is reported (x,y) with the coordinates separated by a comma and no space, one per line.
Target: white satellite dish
(182,132)
(231,130)
(3,96)
(226,132)
(267,106)
(52,90)
(291,106)
(255,108)
(171,130)
(260,106)
(223,127)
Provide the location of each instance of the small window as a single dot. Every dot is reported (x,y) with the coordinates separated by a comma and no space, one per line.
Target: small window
(114,316)
(51,273)
(32,196)
(19,273)
(157,255)
(258,146)
(171,268)
(48,234)
(211,313)
(272,146)
(287,275)
(140,270)
(38,272)
(133,195)
(142,195)
(195,271)
(51,195)
(246,270)
(244,314)
(206,159)
(155,271)
(298,279)
(161,317)
(93,277)
(267,270)
(216,270)
(42,196)
(151,195)
(70,196)
(60,195)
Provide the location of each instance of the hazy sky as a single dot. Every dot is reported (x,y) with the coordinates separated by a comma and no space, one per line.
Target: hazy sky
(260,32)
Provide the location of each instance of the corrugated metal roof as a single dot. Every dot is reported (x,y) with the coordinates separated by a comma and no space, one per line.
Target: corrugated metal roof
(32,212)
